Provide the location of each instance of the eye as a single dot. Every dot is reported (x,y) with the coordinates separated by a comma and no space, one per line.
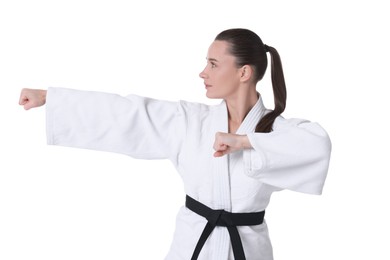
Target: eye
(213,65)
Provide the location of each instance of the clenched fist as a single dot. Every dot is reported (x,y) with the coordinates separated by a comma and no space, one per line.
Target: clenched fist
(226,143)
(30,98)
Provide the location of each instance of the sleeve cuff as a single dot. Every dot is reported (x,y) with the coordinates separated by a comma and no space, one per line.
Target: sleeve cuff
(254,159)
(49,117)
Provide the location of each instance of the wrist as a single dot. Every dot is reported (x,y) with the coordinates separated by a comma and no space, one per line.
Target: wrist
(43,94)
(244,141)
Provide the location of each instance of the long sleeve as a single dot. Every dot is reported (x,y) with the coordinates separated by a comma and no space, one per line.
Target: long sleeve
(136,126)
(294,156)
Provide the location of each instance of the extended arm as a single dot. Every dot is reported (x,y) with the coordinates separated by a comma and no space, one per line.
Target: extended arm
(136,126)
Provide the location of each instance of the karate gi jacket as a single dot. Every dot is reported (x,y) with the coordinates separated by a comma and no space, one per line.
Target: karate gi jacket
(294,156)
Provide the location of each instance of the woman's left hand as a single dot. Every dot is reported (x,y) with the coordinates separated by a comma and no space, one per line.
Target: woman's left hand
(226,143)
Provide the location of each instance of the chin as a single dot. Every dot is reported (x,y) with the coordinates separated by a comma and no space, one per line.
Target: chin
(213,95)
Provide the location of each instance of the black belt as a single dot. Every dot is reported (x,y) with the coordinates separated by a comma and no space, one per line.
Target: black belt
(223,219)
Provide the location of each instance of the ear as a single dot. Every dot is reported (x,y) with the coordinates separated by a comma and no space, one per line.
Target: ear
(246,73)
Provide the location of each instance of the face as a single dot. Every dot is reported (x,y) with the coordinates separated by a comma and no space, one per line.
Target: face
(221,75)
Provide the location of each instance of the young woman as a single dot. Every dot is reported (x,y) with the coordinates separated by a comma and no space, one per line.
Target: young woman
(231,156)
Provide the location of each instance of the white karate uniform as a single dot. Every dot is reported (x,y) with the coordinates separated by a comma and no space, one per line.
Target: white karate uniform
(295,156)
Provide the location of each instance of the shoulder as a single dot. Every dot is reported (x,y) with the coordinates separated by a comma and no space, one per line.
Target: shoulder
(284,124)
(200,108)
(280,121)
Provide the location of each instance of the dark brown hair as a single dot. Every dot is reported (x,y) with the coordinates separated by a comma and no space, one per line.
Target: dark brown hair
(248,49)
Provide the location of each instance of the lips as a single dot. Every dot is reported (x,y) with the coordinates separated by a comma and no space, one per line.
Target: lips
(207,85)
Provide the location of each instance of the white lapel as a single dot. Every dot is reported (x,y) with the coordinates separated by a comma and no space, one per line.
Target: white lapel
(221,181)
(252,118)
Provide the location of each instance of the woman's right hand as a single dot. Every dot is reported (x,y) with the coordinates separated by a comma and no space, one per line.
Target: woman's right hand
(30,98)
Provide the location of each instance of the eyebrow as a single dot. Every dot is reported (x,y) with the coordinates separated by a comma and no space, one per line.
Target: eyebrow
(212,59)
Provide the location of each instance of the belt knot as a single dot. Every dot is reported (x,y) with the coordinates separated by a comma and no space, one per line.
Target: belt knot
(214,217)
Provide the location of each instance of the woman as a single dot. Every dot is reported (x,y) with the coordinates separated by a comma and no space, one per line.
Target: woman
(231,156)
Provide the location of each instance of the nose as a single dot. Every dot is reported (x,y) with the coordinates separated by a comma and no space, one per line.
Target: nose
(203,74)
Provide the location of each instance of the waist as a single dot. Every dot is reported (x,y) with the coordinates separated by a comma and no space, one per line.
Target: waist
(224,218)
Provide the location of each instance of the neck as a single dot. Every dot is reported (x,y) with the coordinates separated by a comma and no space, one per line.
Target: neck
(239,106)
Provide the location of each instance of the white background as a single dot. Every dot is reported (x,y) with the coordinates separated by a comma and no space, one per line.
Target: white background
(62,203)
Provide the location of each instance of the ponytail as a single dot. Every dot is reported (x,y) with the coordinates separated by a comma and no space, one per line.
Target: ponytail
(279,90)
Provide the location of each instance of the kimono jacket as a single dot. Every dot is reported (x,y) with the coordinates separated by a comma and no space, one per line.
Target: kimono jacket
(295,156)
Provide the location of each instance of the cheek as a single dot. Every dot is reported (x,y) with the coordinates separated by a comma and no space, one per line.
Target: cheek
(227,75)
(229,78)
